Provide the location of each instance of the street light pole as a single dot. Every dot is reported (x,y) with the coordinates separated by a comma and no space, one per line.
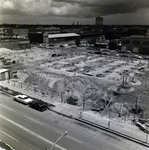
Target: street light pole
(59,139)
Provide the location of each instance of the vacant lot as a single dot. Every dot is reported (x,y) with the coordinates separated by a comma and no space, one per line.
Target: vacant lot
(68,71)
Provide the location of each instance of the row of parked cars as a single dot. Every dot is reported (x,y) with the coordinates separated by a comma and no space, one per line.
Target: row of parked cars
(120,53)
(33,103)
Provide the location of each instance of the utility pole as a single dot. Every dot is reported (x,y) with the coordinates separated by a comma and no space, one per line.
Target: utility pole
(137,104)
(125,117)
(109,124)
(148,64)
(146,138)
(120,110)
(109,113)
(83,102)
(124,80)
(61,97)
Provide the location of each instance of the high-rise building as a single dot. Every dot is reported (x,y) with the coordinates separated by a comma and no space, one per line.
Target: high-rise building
(99,21)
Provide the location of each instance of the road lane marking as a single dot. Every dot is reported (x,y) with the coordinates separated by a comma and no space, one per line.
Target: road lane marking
(74,139)
(9,135)
(59,132)
(70,137)
(33,133)
(67,122)
(7,107)
(34,120)
(97,133)
(132,147)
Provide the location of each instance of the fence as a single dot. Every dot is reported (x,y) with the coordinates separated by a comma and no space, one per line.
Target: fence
(27,87)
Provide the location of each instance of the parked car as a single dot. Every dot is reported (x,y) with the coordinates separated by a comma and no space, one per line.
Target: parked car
(123,55)
(105,50)
(140,57)
(141,126)
(98,52)
(39,105)
(121,51)
(125,51)
(105,53)
(23,99)
(146,58)
(137,57)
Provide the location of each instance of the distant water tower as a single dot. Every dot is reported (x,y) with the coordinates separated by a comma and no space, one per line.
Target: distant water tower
(99,21)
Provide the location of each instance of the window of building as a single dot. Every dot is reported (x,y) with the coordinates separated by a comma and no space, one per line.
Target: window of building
(136,42)
(145,42)
(125,41)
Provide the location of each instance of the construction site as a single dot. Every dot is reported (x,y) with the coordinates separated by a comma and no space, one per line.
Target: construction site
(110,84)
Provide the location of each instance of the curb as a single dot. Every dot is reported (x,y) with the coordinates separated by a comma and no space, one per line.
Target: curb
(114,132)
(70,117)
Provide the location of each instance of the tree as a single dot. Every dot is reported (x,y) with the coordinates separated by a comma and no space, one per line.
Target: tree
(109,35)
(112,45)
(78,42)
(91,41)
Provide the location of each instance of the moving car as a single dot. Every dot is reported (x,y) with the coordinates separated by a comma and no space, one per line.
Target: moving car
(39,105)
(23,99)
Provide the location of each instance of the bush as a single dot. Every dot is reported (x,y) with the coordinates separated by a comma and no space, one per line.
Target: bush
(72,101)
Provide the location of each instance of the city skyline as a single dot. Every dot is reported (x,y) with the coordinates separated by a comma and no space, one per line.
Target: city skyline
(115,12)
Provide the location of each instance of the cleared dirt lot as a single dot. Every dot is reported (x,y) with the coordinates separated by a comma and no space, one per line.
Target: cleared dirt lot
(68,71)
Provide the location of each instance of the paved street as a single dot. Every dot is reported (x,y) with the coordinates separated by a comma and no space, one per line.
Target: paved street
(27,129)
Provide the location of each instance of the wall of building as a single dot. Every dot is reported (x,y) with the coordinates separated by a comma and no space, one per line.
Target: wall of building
(6,75)
(48,41)
(136,44)
(21,31)
(6,31)
(52,30)
(35,37)
(15,44)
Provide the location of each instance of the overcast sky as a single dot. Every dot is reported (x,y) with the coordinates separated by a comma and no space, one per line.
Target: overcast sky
(69,11)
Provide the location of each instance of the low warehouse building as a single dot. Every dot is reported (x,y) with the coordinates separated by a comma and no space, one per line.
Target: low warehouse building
(59,37)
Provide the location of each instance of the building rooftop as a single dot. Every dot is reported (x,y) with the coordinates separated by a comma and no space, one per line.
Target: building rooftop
(137,36)
(3,70)
(62,35)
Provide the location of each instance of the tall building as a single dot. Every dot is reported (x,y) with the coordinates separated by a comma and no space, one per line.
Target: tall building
(99,21)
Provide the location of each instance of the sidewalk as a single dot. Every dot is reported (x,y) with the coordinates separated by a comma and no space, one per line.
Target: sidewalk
(119,125)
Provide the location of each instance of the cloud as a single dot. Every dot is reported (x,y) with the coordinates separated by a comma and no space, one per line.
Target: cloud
(71,8)
(8,5)
(107,7)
